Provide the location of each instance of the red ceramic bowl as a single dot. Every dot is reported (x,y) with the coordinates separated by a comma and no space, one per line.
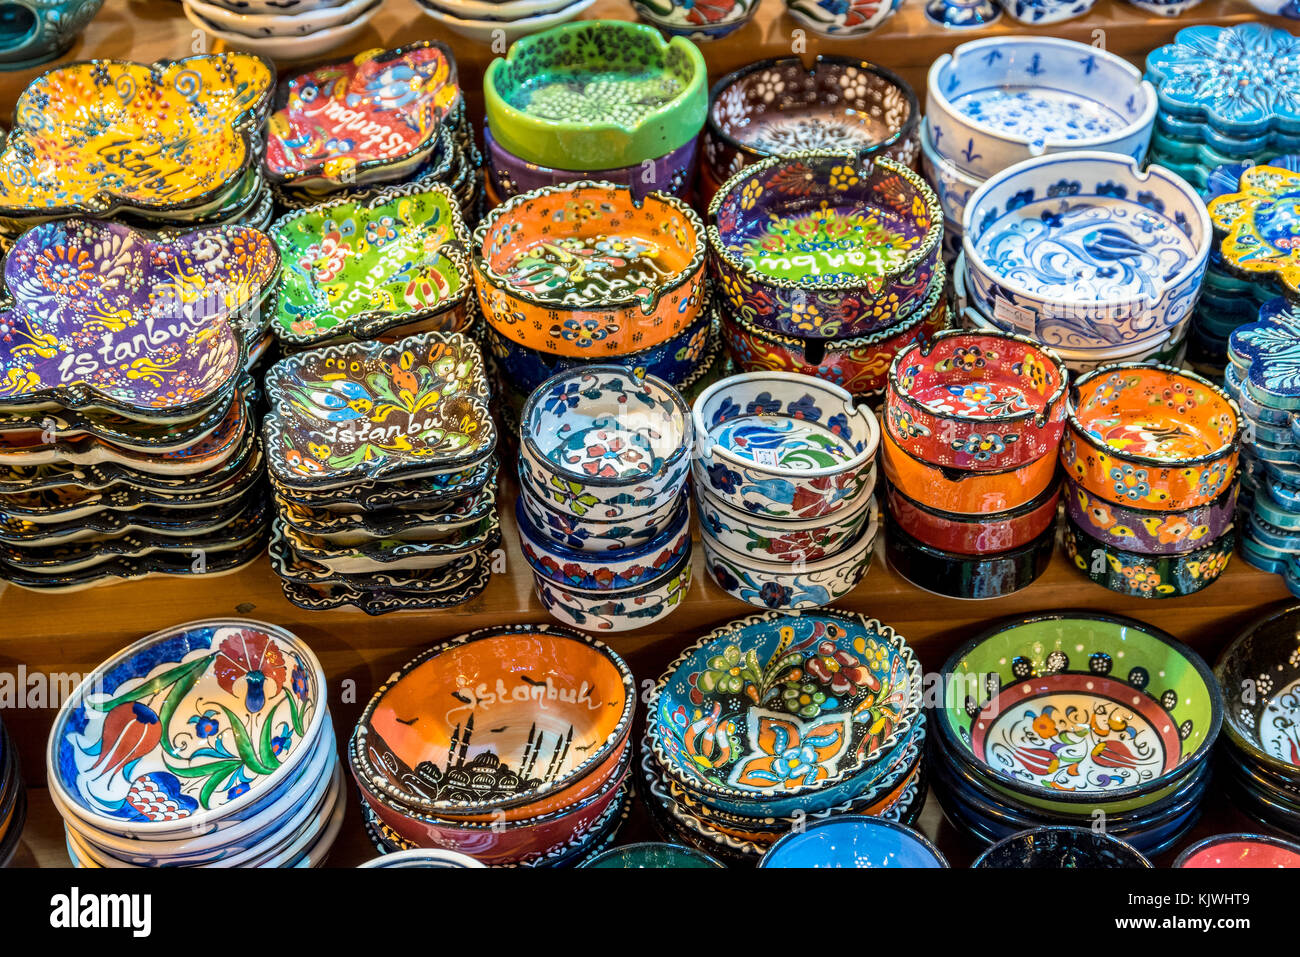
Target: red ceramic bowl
(985,401)
(975,534)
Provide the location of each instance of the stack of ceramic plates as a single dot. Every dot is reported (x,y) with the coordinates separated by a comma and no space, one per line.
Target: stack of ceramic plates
(13,799)
(973,424)
(841,691)
(785,473)
(207,744)
(602,100)
(872,283)
(1259,674)
(994,103)
(1260,377)
(383,472)
(383,117)
(1151,463)
(603,516)
(488,20)
(127,442)
(298,31)
(1076,719)
(203,114)
(528,766)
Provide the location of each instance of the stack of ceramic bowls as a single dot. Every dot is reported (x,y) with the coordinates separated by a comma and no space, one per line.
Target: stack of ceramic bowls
(13,799)
(305,30)
(1061,847)
(490,21)
(383,472)
(841,21)
(777,107)
(994,103)
(511,745)
(1076,718)
(128,446)
(603,514)
(1150,456)
(854,841)
(640,298)
(383,117)
(207,744)
(827,264)
(1260,378)
(1259,675)
(973,424)
(785,470)
(697,21)
(840,691)
(600,100)
(204,114)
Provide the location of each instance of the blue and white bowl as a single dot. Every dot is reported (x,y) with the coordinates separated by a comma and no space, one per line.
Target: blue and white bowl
(619,609)
(1040,13)
(839,19)
(1167,8)
(952,185)
(591,535)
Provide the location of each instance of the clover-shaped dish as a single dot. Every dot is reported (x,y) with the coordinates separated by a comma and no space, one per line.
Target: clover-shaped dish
(366,119)
(360,268)
(370,412)
(1259,225)
(106,135)
(105,318)
(1267,354)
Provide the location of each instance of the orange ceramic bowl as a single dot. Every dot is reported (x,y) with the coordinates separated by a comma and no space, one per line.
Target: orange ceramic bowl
(960,492)
(584,270)
(1152,436)
(507,723)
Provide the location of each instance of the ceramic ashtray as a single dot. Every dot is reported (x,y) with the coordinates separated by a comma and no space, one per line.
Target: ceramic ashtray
(980,401)
(824,244)
(599,94)
(586,270)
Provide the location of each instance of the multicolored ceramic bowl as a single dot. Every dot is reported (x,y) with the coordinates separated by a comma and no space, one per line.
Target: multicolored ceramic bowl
(824,244)
(1061,847)
(977,534)
(841,21)
(1148,531)
(1144,575)
(1259,674)
(586,270)
(976,401)
(854,842)
(618,609)
(685,18)
(780,540)
(586,534)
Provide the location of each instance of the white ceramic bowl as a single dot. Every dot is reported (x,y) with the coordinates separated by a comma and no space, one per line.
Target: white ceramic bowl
(953,186)
(488,31)
(289,47)
(291,24)
(1040,13)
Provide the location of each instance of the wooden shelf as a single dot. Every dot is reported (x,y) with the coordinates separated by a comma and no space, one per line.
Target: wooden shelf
(73,633)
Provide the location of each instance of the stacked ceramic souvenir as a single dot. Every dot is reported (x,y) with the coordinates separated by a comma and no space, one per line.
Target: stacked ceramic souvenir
(1258,674)
(1030,732)
(488,21)
(383,473)
(839,689)
(785,470)
(997,102)
(128,446)
(603,516)
(1150,456)
(297,31)
(13,799)
(973,424)
(602,100)
(529,768)
(829,277)
(382,118)
(77,128)
(208,744)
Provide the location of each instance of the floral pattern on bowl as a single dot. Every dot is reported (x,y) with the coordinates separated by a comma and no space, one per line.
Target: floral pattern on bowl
(1269,353)
(1145,575)
(1262,725)
(697,21)
(622,609)
(1151,532)
(842,19)
(1260,227)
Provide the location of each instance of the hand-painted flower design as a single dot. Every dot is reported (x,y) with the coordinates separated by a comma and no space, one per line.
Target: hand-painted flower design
(131,730)
(205,724)
(839,670)
(805,698)
(255,659)
(725,480)
(1130,483)
(790,753)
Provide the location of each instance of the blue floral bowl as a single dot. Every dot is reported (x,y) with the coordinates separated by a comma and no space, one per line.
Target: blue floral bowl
(841,19)
(35,31)
(587,534)
(619,609)
(854,841)
(1042,12)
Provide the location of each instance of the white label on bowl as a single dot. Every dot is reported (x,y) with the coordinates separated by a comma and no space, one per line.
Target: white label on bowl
(764,457)
(1014,315)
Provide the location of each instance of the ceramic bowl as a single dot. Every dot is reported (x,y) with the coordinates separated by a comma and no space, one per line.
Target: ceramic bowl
(875,228)
(1153,222)
(247,688)
(293,23)
(841,21)
(1151,436)
(650,854)
(289,44)
(1079,709)
(854,841)
(513,746)
(785,585)
(775,540)
(959,492)
(975,534)
(729,700)
(1240,850)
(1250,224)
(1147,531)
(500,29)
(858,365)
(602,94)
(618,609)
(953,185)
(699,23)
(1259,676)
(45,29)
(423,857)
(977,401)
(589,535)
(779,106)
(1044,12)
(1037,95)
(602,441)
(643,280)
(783,445)
(1061,847)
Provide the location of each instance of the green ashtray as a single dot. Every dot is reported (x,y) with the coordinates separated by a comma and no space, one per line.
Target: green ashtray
(596,95)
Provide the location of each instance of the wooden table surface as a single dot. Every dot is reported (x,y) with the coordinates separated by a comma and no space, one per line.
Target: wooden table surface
(70,634)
